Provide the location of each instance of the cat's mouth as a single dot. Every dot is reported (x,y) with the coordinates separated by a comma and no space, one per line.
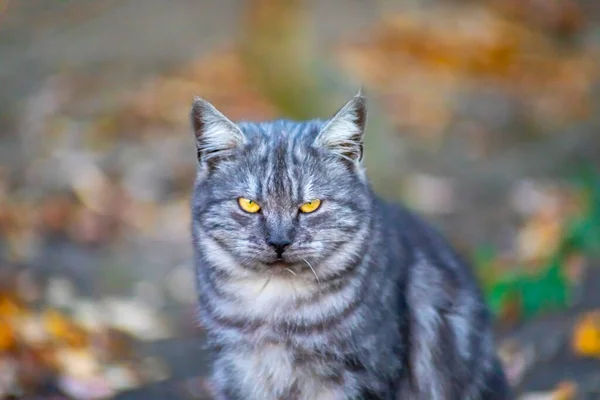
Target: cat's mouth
(281,266)
(279,263)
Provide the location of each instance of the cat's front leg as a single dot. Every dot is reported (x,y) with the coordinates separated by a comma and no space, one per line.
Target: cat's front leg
(264,372)
(223,384)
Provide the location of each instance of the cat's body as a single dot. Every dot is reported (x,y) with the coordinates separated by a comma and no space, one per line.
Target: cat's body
(358,299)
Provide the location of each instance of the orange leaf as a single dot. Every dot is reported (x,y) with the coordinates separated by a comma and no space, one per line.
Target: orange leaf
(586,337)
(7,337)
(61,328)
(9,307)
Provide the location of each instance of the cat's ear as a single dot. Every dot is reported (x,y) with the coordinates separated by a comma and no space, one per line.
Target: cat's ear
(216,136)
(343,134)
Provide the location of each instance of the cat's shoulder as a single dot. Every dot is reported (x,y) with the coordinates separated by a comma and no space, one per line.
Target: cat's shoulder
(396,215)
(425,245)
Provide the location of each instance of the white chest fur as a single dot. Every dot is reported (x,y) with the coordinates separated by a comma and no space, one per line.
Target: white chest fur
(267,372)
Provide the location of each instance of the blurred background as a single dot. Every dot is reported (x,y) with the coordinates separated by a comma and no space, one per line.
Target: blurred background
(484,116)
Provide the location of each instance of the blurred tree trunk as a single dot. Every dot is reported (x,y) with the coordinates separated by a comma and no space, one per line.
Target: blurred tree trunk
(278,52)
(278,49)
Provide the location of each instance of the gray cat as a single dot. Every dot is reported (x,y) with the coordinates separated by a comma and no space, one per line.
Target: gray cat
(313,288)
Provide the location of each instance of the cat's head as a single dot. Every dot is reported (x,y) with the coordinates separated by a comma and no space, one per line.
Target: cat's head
(280,195)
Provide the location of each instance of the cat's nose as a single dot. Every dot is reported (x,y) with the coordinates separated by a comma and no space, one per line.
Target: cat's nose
(279,244)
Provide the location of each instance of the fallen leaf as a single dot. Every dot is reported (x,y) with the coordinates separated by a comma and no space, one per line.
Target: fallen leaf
(565,391)
(7,336)
(79,363)
(586,337)
(64,330)
(121,377)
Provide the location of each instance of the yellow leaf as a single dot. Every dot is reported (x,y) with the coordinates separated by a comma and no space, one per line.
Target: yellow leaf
(64,330)
(586,337)
(565,391)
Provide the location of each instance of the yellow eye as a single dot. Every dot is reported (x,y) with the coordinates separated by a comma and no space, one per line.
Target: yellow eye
(248,205)
(311,206)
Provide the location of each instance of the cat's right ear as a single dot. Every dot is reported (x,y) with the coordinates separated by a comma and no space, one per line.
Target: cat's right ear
(216,136)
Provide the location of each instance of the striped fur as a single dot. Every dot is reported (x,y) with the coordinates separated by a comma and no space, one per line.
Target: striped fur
(372,302)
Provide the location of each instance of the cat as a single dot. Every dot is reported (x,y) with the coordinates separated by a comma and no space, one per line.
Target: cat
(311,287)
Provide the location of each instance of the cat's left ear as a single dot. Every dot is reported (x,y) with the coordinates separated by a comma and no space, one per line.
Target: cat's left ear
(343,134)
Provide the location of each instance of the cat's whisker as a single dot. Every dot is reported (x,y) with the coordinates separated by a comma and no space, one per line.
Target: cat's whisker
(291,272)
(313,271)
(265,285)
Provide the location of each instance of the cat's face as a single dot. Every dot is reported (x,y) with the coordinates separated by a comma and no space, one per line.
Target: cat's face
(279,195)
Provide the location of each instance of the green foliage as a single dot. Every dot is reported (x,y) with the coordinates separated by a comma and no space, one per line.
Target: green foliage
(584,231)
(531,293)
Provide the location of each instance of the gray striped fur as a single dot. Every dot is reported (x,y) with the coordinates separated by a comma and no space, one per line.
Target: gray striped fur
(371,303)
